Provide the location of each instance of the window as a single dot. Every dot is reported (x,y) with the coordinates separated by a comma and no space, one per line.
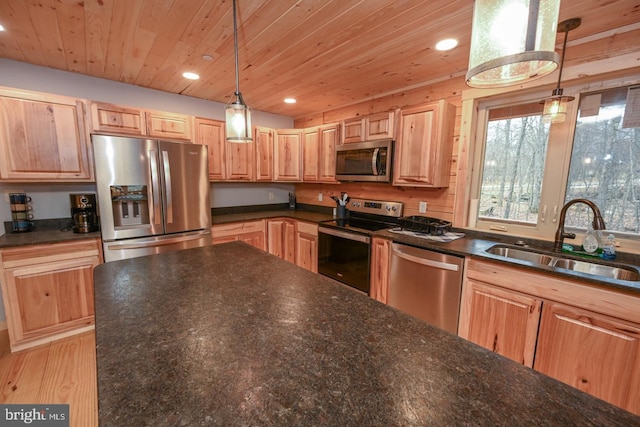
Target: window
(515,149)
(605,161)
(526,170)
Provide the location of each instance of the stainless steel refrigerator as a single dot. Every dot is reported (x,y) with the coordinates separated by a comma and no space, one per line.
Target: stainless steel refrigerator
(153,195)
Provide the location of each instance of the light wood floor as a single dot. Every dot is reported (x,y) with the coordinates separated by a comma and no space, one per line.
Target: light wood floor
(63,371)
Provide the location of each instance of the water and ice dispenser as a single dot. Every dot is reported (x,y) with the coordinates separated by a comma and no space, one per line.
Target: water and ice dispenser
(130,205)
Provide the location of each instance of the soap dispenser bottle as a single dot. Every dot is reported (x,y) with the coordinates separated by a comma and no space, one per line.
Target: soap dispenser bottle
(609,248)
(591,242)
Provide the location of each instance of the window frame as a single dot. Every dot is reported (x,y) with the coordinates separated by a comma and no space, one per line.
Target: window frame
(557,164)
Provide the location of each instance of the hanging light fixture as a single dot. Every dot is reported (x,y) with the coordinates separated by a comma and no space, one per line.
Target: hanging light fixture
(555,107)
(238,114)
(512,41)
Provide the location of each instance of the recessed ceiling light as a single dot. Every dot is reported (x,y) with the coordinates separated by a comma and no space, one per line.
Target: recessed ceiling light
(1,28)
(207,57)
(190,76)
(290,100)
(446,44)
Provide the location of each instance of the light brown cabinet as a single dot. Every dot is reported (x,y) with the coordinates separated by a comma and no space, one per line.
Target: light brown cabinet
(239,161)
(281,238)
(597,354)
(43,138)
(592,344)
(503,321)
(48,290)
(369,128)
(423,148)
(251,232)
(263,138)
(169,126)
(288,155)
(115,119)
(380,268)
(211,133)
(307,246)
(319,153)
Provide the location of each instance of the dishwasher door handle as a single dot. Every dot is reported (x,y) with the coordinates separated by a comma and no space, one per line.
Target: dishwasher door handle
(426,262)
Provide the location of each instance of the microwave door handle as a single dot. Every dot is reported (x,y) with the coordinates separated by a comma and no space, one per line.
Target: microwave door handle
(374,161)
(155,188)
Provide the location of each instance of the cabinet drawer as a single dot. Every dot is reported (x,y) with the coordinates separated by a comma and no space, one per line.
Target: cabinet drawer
(38,254)
(236,228)
(308,228)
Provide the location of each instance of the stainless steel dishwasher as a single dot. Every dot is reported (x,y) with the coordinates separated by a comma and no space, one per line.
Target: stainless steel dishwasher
(426,285)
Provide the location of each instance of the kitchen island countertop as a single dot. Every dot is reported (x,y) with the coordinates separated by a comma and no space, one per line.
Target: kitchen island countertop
(204,337)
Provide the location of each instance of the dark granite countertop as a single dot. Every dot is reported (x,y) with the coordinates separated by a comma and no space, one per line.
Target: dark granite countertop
(300,215)
(205,337)
(44,232)
(473,246)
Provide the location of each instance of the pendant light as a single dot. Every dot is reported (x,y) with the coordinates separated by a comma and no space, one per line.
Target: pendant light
(512,41)
(555,107)
(238,114)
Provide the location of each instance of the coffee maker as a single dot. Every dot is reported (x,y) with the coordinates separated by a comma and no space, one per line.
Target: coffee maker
(84,213)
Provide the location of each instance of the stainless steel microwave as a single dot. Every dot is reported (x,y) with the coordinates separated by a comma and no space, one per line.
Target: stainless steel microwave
(365,161)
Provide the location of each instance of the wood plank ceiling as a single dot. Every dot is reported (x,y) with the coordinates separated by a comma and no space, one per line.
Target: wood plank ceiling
(325,53)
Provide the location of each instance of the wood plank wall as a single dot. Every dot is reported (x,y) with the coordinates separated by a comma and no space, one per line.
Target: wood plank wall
(440,202)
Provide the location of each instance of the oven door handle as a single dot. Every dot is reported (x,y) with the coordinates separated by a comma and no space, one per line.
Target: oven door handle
(344,235)
(374,161)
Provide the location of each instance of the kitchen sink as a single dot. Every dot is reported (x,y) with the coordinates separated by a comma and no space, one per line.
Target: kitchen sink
(523,255)
(613,272)
(619,272)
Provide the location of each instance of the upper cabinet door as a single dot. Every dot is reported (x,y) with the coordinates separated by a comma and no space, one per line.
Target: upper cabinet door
(43,138)
(311,155)
(329,137)
(380,126)
(239,160)
(111,118)
(353,130)
(423,148)
(288,155)
(212,134)
(264,153)
(169,126)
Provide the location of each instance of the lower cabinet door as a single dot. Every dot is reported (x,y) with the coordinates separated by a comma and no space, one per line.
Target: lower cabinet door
(592,352)
(47,299)
(255,239)
(307,252)
(503,321)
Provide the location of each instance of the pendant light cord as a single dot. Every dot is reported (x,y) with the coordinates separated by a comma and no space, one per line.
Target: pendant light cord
(235,43)
(564,48)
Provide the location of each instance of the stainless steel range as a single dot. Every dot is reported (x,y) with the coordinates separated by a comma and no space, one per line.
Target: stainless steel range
(344,250)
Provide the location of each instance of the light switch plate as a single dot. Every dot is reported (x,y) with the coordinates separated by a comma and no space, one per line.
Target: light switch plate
(319,197)
(270,195)
(422,207)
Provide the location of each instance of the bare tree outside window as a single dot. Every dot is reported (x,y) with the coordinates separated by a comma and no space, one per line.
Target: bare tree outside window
(515,151)
(605,164)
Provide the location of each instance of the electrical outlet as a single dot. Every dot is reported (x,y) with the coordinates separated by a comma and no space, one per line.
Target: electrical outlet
(422,207)
(270,195)
(319,197)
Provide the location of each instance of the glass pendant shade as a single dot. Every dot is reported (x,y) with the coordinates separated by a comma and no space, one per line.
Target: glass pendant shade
(555,107)
(237,113)
(238,120)
(512,41)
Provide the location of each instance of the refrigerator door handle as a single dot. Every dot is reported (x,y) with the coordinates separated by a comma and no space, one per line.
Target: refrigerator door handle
(153,243)
(167,184)
(155,188)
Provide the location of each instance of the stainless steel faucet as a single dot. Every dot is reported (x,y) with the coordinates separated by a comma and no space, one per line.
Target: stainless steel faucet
(598,222)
